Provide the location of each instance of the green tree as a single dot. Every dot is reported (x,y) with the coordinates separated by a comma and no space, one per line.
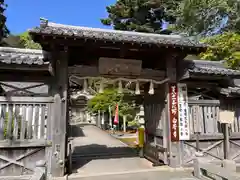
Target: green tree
(140,15)
(3,28)
(224,46)
(23,40)
(27,42)
(109,98)
(191,17)
(206,17)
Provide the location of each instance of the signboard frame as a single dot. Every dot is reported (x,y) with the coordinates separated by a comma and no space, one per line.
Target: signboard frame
(173,111)
(226,116)
(178,112)
(183,116)
(119,67)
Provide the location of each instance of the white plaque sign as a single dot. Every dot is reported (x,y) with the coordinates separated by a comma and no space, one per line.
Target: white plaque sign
(114,66)
(226,116)
(183,119)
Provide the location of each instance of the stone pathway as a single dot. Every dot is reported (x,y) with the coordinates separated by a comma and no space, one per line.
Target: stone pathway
(96,151)
(156,173)
(97,155)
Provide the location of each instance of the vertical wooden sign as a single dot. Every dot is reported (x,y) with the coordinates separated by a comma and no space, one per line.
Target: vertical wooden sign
(173,111)
(184,131)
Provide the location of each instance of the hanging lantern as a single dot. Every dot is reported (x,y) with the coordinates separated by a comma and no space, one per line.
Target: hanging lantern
(120,90)
(101,87)
(151,88)
(137,90)
(85,86)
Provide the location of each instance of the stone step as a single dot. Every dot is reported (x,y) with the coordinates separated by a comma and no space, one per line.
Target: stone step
(147,174)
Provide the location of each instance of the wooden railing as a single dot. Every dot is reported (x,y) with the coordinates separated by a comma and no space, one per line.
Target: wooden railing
(208,114)
(38,174)
(25,133)
(24,118)
(225,170)
(39,171)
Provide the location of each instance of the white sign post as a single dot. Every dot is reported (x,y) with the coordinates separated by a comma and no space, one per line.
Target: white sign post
(226,117)
(183,119)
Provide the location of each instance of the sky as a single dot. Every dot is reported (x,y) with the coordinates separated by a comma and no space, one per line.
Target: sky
(25,14)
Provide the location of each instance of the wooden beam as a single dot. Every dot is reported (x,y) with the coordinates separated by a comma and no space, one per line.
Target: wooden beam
(214,136)
(208,77)
(31,143)
(24,67)
(24,100)
(203,102)
(69,41)
(46,39)
(200,84)
(23,77)
(92,71)
(23,177)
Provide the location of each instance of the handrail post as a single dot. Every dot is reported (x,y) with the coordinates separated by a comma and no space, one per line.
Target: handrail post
(226,140)
(225,169)
(229,165)
(40,171)
(196,163)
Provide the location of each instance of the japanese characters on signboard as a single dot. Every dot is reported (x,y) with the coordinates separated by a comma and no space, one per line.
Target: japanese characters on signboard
(178,112)
(173,111)
(184,133)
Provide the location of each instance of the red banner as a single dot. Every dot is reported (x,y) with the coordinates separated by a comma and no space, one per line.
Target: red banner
(173,111)
(116,120)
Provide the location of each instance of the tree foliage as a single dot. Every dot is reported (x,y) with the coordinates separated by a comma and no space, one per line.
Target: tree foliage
(191,17)
(3,28)
(27,42)
(109,98)
(206,17)
(23,40)
(140,15)
(224,46)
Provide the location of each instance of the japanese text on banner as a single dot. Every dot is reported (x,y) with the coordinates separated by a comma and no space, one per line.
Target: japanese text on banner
(173,111)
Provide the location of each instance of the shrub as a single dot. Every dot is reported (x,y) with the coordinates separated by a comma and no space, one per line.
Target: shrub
(6,119)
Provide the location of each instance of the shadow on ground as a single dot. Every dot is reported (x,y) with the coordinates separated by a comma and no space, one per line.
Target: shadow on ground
(76,131)
(82,155)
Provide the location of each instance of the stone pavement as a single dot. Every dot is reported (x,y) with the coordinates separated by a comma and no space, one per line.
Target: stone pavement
(156,173)
(97,155)
(95,150)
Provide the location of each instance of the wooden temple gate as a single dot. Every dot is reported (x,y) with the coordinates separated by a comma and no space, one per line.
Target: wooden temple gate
(153,61)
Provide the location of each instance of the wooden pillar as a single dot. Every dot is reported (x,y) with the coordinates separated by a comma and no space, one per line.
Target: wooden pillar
(59,91)
(226,146)
(173,147)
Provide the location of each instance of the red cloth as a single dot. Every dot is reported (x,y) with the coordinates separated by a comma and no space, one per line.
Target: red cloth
(116,119)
